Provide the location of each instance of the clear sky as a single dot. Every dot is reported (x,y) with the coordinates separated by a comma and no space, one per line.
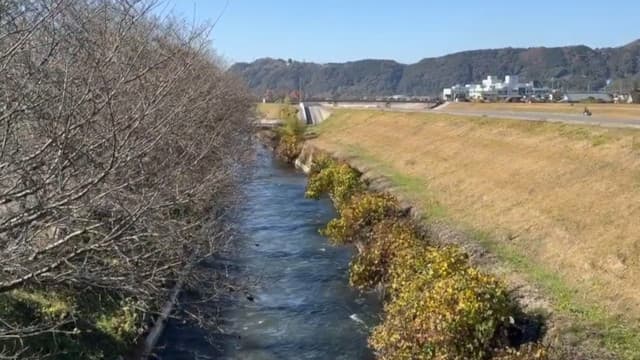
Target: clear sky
(405,30)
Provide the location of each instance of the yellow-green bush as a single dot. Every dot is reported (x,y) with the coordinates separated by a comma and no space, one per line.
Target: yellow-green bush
(430,264)
(48,305)
(389,240)
(453,317)
(321,163)
(123,324)
(358,216)
(340,181)
(288,148)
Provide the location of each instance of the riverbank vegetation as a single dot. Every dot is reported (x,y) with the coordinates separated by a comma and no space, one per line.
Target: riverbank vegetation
(290,136)
(123,141)
(437,305)
(555,204)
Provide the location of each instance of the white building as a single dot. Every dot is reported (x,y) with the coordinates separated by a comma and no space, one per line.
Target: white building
(455,93)
(493,88)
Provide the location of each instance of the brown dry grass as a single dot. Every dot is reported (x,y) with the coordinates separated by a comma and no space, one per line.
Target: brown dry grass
(566,198)
(269,110)
(613,111)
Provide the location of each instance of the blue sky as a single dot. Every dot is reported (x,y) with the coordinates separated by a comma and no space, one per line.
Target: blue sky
(405,30)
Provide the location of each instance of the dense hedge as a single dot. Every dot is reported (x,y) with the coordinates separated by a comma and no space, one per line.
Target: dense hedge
(437,305)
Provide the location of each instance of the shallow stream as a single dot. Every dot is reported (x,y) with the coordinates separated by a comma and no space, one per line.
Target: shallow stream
(298,303)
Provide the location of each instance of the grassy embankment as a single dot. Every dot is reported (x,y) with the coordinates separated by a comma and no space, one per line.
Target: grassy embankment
(613,111)
(558,204)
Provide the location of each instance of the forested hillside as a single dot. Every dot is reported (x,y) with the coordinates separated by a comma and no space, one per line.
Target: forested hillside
(572,67)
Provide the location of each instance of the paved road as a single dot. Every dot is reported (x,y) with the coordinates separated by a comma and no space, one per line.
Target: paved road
(551,117)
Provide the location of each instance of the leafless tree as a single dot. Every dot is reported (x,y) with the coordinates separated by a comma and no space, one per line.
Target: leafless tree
(121,136)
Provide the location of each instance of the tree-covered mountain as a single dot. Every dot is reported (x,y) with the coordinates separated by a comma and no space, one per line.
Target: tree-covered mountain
(571,67)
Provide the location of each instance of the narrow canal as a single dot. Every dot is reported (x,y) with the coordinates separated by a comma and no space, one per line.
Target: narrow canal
(297,304)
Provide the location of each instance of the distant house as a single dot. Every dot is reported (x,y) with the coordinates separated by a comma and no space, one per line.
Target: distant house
(587,96)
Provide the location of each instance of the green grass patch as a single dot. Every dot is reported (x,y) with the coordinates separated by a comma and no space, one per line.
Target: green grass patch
(109,326)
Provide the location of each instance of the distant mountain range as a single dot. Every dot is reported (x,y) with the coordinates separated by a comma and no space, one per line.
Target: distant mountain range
(570,67)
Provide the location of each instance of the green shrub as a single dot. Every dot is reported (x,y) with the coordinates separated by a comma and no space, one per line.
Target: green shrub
(357,217)
(291,134)
(123,324)
(340,181)
(108,326)
(454,317)
(292,127)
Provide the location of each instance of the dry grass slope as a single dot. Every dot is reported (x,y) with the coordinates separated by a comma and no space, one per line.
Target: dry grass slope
(269,111)
(561,203)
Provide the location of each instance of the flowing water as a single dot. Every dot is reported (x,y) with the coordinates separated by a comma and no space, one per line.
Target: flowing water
(297,304)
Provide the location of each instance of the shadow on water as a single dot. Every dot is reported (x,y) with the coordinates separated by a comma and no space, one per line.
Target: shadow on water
(297,303)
